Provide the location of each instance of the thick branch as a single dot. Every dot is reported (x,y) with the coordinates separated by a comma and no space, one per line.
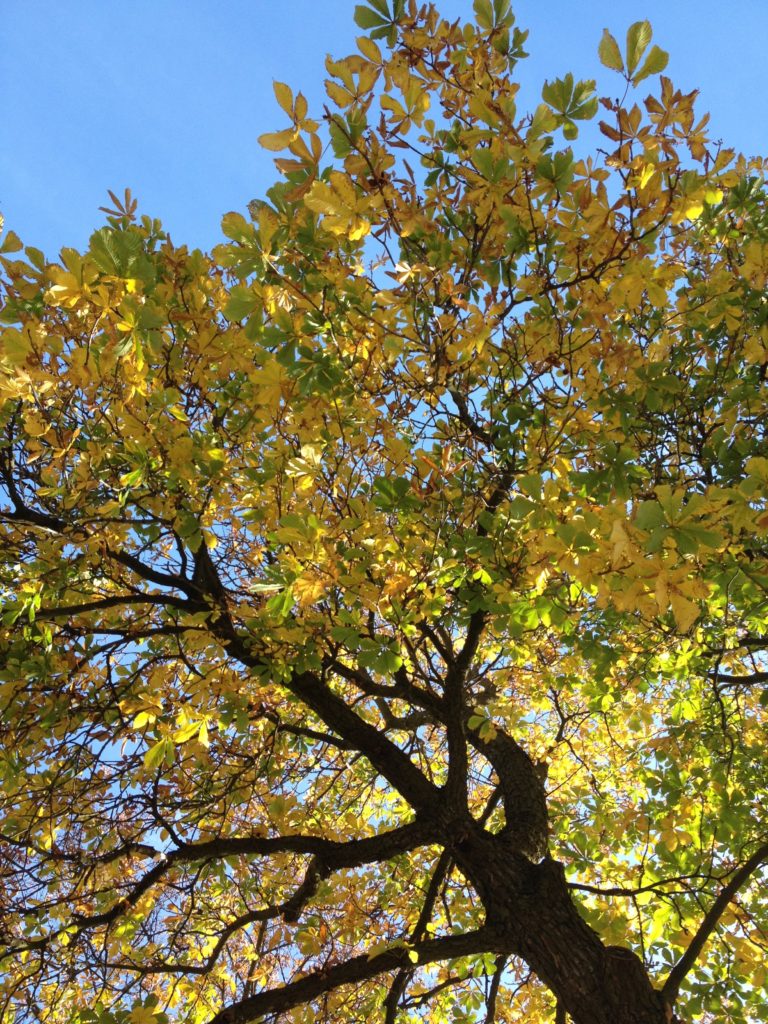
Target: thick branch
(745,680)
(455,709)
(522,788)
(385,756)
(353,971)
(331,853)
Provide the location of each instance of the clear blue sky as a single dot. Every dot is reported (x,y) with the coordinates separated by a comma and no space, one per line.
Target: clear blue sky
(169,96)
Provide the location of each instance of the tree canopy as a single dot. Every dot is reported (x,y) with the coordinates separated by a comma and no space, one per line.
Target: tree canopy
(385,592)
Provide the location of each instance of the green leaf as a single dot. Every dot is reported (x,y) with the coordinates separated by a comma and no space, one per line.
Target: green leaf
(638,37)
(557,170)
(584,103)
(119,253)
(483,10)
(366,18)
(241,303)
(281,604)
(155,755)
(654,63)
(709,538)
(391,493)
(339,139)
(558,94)
(572,101)
(609,52)
(502,13)
(133,478)
(650,515)
(380,659)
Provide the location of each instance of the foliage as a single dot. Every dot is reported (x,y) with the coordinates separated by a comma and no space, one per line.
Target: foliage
(384,621)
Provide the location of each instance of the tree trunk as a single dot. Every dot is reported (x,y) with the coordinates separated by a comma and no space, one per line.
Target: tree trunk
(531,907)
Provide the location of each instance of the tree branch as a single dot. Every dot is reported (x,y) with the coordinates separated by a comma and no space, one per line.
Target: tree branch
(328,855)
(671,986)
(385,756)
(522,790)
(115,601)
(355,970)
(745,680)
(455,709)
(501,963)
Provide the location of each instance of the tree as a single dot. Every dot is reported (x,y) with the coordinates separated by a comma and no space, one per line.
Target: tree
(384,632)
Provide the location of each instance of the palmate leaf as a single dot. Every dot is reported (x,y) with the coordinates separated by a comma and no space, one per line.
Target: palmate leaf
(638,37)
(572,101)
(379,19)
(367,18)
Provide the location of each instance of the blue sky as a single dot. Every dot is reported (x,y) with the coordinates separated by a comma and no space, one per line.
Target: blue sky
(168,96)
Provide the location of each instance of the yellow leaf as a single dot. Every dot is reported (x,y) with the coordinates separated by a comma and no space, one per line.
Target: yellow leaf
(662,592)
(340,96)
(341,206)
(142,1015)
(307,590)
(695,210)
(186,729)
(541,581)
(276,141)
(66,292)
(369,49)
(646,174)
(389,103)
(284,97)
(11,242)
(359,229)
(15,346)
(321,199)
(202,736)
(685,611)
(35,425)
(620,542)
(300,107)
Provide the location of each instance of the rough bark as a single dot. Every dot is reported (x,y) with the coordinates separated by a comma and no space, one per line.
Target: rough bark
(530,907)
